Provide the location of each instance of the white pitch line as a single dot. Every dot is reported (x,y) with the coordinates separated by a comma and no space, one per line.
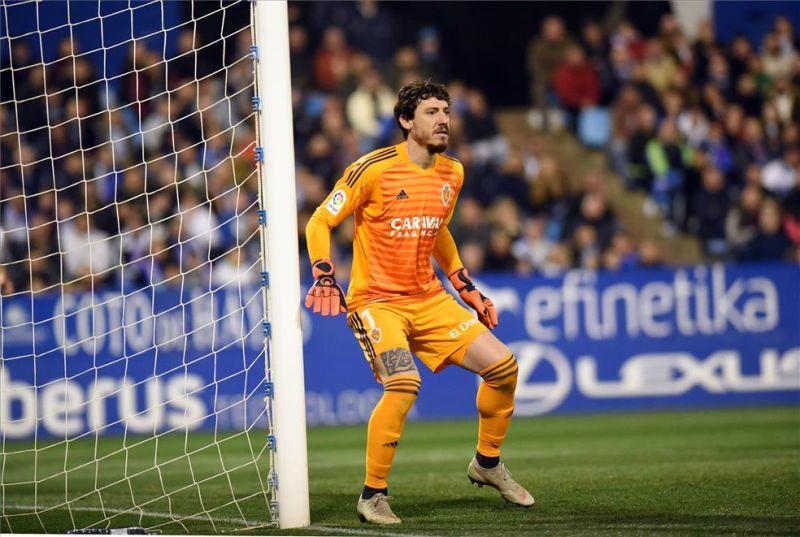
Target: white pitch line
(336,530)
(135,512)
(352,531)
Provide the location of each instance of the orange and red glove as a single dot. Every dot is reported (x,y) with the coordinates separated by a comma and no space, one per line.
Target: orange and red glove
(326,295)
(487,314)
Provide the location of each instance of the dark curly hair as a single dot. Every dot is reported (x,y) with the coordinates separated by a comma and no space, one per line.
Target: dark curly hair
(410,95)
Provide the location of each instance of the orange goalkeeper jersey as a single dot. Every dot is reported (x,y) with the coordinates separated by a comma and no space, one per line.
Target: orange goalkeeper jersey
(399,209)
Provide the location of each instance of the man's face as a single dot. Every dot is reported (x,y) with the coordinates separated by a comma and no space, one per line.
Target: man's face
(430,126)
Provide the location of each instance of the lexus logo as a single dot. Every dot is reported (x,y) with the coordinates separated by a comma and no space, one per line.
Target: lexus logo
(536,360)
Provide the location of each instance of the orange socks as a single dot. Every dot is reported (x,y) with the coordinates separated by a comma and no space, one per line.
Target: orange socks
(386,426)
(496,404)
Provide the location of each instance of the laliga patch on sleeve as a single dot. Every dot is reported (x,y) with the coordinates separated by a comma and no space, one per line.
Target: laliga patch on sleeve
(336,202)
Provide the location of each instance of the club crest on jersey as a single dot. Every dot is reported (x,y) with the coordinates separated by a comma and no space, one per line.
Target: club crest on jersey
(375,334)
(336,202)
(447,194)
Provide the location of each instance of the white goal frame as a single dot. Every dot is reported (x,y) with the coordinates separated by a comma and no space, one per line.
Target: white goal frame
(278,199)
(157,377)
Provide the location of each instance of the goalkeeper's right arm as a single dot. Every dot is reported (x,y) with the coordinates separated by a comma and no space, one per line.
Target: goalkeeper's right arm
(326,295)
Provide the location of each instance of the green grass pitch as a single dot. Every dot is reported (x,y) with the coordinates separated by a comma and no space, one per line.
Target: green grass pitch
(679,473)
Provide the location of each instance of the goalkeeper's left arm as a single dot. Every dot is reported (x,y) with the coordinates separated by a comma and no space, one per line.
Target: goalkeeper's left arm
(446,255)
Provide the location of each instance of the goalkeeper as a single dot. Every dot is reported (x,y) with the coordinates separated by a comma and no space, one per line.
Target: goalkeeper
(403,198)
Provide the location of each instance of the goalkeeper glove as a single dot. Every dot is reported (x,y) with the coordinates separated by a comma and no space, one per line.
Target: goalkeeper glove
(487,314)
(326,295)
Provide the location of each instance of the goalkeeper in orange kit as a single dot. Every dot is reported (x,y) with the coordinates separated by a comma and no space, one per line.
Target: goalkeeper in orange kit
(403,198)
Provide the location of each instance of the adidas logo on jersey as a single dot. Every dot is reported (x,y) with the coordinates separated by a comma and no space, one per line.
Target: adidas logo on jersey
(401,195)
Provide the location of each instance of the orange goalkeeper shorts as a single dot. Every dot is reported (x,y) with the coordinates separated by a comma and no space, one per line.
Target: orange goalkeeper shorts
(437,329)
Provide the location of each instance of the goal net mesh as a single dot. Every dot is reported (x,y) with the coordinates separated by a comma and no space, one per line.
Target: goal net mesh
(134,385)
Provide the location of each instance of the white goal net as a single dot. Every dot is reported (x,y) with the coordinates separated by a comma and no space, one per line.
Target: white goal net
(134,378)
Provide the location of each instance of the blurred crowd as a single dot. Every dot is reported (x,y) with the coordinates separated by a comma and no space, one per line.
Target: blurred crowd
(520,210)
(709,131)
(148,177)
(139,179)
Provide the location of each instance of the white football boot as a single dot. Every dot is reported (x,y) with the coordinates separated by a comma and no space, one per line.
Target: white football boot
(500,478)
(376,510)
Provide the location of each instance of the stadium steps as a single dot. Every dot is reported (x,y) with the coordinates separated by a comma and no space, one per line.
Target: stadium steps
(679,249)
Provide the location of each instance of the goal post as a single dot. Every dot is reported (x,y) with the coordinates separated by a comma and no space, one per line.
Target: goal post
(278,200)
(151,361)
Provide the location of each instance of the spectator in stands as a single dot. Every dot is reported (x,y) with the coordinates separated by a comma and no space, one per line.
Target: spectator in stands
(488,145)
(434,63)
(332,60)
(406,67)
(320,159)
(595,213)
(545,53)
(510,181)
(473,255)
(199,225)
(135,240)
(558,261)
(785,97)
(627,36)
(576,83)
(87,251)
(302,62)
(718,73)
(667,160)
(233,269)
(145,78)
(772,127)
(624,123)
(740,53)
(593,183)
(585,247)
(531,250)
(777,56)
(550,188)
(371,29)
(595,45)
(13,221)
(622,66)
(651,254)
(693,126)
(638,174)
(370,108)
(471,224)
(769,243)
(623,245)
(498,255)
(611,261)
(741,222)
(750,146)
(780,175)
(719,151)
(45,269)
(659,67)
(709,210)
(187,63)
(746,95)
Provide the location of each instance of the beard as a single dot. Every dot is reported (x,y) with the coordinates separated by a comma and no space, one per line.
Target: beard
(431,142)
(435,146)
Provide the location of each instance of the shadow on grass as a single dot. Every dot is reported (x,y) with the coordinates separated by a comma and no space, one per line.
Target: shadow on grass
(489,516)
